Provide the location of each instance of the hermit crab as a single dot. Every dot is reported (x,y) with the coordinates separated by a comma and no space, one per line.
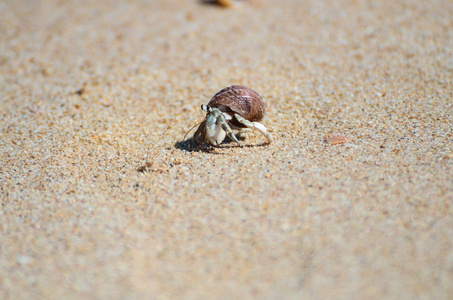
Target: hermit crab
(237,108)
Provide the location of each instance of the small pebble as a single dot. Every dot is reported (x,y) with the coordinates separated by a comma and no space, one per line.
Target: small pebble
(225,3)
(336,139)
(449,155)
(23,259)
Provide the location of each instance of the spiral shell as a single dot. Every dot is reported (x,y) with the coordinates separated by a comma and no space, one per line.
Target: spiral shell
(241,100)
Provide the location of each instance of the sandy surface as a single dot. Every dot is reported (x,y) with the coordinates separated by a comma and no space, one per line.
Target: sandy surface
(101,199)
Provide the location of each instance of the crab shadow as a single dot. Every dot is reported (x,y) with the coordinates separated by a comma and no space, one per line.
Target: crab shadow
(190,146)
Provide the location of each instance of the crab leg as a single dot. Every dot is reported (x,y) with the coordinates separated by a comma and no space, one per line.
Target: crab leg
(228,130)
(257,126)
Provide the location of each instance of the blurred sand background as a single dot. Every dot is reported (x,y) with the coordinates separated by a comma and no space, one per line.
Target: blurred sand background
(101,199)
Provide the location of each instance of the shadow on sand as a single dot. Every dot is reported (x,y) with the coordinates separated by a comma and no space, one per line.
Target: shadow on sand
(190,146)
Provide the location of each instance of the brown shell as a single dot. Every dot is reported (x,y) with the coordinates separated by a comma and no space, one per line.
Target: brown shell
(241,100)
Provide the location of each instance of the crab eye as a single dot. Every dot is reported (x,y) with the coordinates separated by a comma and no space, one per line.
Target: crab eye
(204,107)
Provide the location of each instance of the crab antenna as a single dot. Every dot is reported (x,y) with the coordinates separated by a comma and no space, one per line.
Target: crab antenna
(190,130)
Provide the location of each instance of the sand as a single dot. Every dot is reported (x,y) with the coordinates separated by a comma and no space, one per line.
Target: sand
(102,199)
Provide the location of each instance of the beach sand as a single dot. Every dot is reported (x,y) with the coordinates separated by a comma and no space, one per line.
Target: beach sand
(102,199)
